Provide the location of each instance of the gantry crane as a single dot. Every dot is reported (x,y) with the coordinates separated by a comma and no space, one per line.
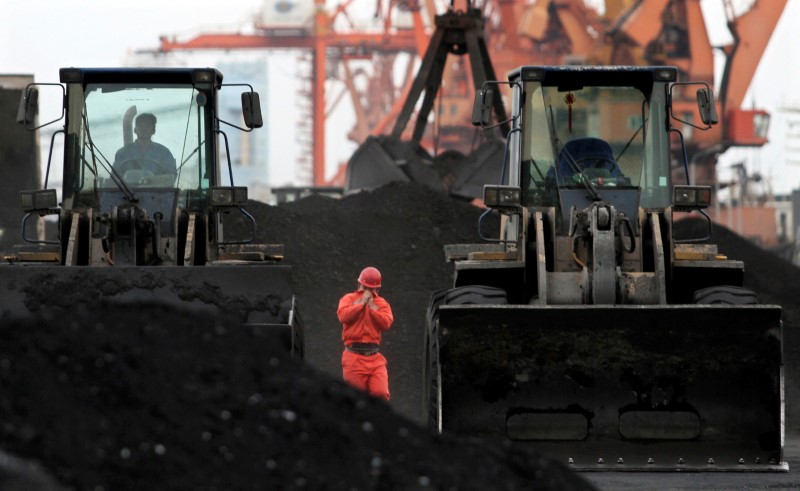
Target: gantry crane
(518,32)
(327,47)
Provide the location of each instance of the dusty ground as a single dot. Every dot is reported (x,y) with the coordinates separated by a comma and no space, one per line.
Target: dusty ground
(145,398)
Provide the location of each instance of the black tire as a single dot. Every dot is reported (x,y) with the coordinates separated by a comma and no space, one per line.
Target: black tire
(432,374)
(725,295)
(432,313)
(464,295)
(476,294)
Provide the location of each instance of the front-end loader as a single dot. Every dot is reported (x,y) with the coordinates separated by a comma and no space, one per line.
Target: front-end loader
(133,227)
(587,329)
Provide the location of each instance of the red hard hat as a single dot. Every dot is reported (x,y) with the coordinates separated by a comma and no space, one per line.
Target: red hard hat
(370,277)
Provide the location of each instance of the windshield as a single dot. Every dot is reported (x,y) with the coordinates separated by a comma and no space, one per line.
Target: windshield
(593,137)
(127,139)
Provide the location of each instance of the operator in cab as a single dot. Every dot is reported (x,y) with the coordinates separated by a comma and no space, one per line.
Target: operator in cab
(143,154)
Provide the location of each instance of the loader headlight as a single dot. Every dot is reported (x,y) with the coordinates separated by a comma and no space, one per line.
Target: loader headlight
(503,198)
(234,196)
(688,198)
(38,200)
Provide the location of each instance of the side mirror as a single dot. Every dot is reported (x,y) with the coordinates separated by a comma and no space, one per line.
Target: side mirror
(251,110)
(482,108)
(706,106)
(28,106)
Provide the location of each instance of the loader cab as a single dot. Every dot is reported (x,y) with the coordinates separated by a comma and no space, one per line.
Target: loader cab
(587,330)
(142,146)
(598,131)
(590,150)
(106,154)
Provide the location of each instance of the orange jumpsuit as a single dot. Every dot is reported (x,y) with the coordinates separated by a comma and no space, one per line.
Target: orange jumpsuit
(363,325)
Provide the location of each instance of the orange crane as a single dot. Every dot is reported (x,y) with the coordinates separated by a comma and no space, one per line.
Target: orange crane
(518,32)
(327,47)
(654,32)
(646,32)
(459,170)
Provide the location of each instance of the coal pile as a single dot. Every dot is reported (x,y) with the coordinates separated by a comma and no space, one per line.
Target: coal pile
(401,229)
(178,401)
(146,398)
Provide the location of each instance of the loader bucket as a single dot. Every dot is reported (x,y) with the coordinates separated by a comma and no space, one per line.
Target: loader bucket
(683,387)
(384,159)
(242,294)
(482,166)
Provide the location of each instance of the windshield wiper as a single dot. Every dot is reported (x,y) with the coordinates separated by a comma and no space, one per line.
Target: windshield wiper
(186,160)
(570,160)
(640,128)
(582,178)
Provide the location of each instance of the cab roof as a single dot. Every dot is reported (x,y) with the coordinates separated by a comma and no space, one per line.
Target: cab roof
(569,76)
(140,75)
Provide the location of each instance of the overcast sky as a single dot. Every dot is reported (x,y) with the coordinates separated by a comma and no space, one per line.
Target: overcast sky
(40,36)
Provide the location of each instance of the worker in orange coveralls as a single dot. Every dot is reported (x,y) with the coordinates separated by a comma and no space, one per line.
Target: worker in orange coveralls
(364,316)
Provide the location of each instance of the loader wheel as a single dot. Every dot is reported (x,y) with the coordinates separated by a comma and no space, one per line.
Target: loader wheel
(464,295)
(476,294)
(725,295)
(432,370)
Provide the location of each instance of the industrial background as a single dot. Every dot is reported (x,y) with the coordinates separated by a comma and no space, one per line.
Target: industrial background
(349,71)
